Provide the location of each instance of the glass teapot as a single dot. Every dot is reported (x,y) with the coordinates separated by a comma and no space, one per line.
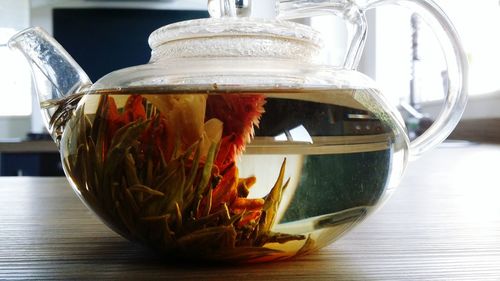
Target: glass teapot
(235,142)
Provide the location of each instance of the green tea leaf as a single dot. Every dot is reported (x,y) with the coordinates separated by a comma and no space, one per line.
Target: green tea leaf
(207,171)
(272,201)
(144,189)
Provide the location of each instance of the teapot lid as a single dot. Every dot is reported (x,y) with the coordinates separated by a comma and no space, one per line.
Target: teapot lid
(235,35)
(218,27)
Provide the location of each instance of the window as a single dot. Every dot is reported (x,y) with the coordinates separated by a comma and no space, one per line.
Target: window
(15,79)
(478,25)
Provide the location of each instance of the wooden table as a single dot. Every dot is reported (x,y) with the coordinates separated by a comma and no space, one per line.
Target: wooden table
(443,223)
(39,146)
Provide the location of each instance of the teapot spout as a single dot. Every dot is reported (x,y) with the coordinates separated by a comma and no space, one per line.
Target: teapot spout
(56,76)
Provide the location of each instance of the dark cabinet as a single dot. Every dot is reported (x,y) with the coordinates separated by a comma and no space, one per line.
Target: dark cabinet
(40,164)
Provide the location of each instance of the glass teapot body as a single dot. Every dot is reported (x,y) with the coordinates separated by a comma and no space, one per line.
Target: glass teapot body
(234,142)
(242,158)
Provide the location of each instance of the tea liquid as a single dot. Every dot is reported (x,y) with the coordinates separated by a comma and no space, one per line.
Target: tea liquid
(233,175)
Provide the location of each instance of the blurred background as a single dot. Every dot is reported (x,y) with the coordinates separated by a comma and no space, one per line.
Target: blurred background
(402,55)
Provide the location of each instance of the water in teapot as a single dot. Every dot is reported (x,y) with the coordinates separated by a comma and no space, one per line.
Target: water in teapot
(230,175)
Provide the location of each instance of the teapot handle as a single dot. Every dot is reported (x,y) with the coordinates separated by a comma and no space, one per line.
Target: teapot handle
(456,61)
(345,9)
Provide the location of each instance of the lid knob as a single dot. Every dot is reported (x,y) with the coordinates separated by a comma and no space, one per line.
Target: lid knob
(243,8)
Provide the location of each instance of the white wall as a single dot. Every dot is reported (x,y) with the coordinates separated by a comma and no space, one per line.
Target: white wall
(14,14)
(14,127)
(484,106)
(368,62)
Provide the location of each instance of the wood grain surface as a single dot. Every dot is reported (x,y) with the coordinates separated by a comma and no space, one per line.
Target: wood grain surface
(442,223)
(27,146)
(478,130)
